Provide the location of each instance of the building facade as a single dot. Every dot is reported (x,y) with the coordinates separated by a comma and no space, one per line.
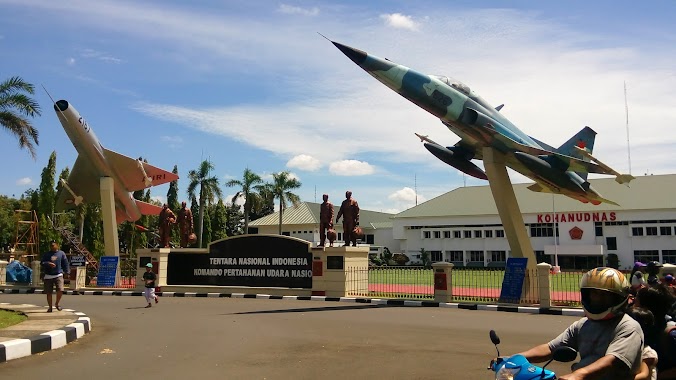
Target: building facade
(463,226)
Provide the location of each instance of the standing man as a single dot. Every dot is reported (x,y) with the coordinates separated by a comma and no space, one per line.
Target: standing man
(167,218)
(185,224)
(55,265)
(325,219)
(349,209)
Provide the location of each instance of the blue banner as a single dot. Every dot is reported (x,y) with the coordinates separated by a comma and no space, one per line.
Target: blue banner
(107,270)
(512,283)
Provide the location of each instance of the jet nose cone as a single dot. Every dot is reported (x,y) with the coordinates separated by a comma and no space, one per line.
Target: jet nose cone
(357,56)
(61,105)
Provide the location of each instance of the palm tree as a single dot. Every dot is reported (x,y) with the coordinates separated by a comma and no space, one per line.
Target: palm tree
(14,106)
(281,185)
(250,181)
(208,190)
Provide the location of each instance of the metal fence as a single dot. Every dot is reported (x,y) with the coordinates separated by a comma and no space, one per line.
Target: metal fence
(468,284)
(564,288)
(127,274)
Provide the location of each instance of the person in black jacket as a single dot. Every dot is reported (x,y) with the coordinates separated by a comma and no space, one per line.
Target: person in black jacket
(55,265)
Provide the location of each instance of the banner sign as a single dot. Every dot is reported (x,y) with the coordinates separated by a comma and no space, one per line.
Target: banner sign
(107,270)
(250,260)
(512,283)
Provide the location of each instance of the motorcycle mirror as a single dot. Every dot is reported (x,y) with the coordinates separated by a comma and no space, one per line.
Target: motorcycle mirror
(494,337)
(564,354)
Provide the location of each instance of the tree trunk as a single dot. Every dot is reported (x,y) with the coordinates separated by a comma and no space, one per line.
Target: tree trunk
(199,239)
(281,210)
(246,216)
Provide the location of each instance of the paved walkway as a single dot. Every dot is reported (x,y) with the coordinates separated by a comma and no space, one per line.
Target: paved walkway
(41,331)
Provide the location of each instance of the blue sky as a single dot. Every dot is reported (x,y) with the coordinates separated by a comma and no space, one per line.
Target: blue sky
(252,84)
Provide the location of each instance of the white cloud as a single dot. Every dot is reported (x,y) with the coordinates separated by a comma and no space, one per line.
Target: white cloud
(289,9)
(25,181)
(98,55)
(160,198)
(304,162)
(71,61)
(351,168)
(399,21)
(406,195)
(172,141)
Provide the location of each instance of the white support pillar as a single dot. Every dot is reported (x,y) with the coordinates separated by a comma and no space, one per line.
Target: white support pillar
(110,239)
(508,208)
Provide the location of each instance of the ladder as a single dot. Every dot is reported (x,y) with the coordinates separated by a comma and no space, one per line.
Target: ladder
(77,246)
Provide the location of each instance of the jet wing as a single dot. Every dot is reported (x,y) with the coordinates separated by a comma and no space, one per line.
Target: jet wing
(574,164)
(130,174)
(83,181)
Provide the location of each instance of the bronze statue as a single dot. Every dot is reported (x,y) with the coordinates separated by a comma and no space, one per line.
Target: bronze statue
(349,209)
(325,220)
(167,218)
(185,225)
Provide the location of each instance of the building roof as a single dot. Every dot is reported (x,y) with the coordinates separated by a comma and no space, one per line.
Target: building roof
(650,192)
(308,213)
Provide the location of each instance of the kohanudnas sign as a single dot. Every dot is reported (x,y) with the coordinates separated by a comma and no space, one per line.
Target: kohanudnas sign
(250,260)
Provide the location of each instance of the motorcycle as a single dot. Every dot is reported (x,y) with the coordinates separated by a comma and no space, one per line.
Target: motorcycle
(517,367)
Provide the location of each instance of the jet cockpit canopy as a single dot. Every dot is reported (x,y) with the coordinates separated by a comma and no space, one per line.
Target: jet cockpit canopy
(456,84)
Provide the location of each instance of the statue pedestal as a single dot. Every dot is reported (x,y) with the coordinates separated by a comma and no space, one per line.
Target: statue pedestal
(340,271)
(159,257)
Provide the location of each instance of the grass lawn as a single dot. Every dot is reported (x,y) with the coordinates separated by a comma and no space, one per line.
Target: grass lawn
(8,318)
(473,278)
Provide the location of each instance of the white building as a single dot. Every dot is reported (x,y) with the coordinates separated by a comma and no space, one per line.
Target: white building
(463,225)
(303,222)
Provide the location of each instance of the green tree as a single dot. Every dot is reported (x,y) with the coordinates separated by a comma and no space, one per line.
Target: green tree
(233,220)
(425,258)
(15,108)
(281,186)
(140,238)
(248,184)
(172,202)
(206,239)
(63,176)
(266,204)
(219,222)
(47,189)
(208,190)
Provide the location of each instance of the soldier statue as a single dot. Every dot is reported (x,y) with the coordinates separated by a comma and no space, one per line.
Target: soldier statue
(325,219)
(167,218)
(185,224)
(349,209)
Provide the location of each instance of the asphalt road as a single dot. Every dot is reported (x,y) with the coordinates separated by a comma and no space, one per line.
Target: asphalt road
(223,338)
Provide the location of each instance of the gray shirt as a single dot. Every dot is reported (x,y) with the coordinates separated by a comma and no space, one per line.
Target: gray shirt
(620,337)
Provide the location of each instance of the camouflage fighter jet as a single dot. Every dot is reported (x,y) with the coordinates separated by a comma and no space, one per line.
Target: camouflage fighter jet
(561,170)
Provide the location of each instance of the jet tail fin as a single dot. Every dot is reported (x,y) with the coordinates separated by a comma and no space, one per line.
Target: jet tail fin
(583,140)
(148,208)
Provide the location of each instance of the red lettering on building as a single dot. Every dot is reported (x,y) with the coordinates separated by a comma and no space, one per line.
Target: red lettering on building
(577,217)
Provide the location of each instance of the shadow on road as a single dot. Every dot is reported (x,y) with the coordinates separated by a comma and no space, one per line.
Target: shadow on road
(313,309)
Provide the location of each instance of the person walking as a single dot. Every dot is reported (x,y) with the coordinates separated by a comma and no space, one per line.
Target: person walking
(55,264)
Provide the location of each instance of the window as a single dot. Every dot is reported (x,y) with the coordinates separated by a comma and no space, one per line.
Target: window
(498,255)
(436,256)
(488,233)
(669,256)
(598,228)
(456,234)
(637,231)
(476,256)
(611,243)
(370,239)
(500,233)
(455,256)
(541,229)
(286,233)
(665,231)
(477,234)
(467,234)
(645,256)
(651,231)
(340,236)
(437,234)
(426,235)
(447,234)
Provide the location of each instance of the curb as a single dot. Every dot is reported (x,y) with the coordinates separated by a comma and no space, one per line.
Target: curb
(374,301)
(50,340)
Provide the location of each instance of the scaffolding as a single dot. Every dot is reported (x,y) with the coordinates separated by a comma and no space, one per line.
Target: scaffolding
(75,244)
(27,238)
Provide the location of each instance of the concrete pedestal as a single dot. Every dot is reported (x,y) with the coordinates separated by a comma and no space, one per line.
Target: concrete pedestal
(340,271)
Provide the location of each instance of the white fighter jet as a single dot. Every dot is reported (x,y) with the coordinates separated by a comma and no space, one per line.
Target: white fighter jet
(94,161)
